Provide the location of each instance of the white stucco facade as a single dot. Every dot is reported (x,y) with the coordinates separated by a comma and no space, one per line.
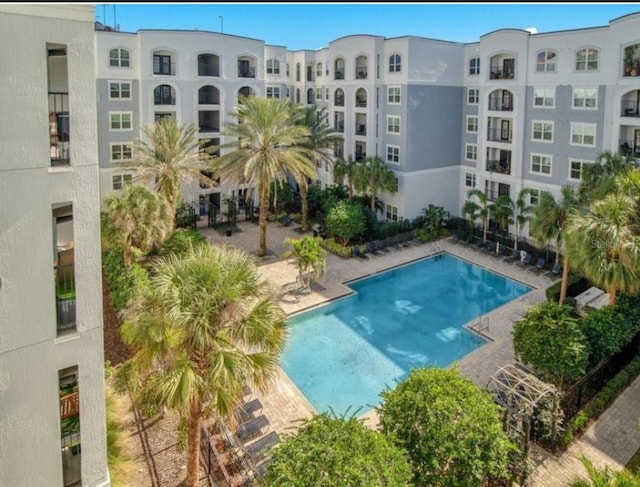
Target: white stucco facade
(50,223)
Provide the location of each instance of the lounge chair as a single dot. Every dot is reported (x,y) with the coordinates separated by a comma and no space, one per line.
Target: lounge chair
(252,428)
(247,411)
(526,260)
(491,246)
(539,265)
(501,252)
(358,253)
(515,255)
(260,448)
(555,272)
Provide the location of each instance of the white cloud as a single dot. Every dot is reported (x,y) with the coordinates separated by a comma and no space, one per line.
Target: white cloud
(531,30)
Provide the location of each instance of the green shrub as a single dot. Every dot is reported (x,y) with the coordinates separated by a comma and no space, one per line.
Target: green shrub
(122,282)
(182,238)
(340,250)
(344,221)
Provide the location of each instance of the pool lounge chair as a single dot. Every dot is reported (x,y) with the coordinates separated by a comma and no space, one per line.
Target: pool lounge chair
(526,260)
(539,265)
(555,272)
(260,447)
(247,411)
(252,428)
(515,255)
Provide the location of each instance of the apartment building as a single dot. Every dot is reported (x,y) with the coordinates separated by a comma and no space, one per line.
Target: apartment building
(52,404)
(510,111)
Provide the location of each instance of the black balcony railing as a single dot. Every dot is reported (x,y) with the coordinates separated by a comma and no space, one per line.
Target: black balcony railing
(208,70)
(628,148)
(361,129)
(629,109)
(499,104)
(249,72)
(361,102)
(502,167)
(164,68)
(361,73)
(497,72)
(65,297)
(338,74)
(164,98)
(59,128)
(208,99)
(338,101)
(498,135)
(209,127)
(339,127)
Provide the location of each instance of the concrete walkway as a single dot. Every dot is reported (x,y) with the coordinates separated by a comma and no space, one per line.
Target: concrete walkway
(612,440)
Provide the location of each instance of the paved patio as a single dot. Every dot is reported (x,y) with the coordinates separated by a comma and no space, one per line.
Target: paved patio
(611,440)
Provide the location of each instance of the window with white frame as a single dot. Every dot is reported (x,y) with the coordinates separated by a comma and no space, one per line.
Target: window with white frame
(273,66)
(540,164)
(319,93)
(393,154)
(472,124)
(121,151)
(544,97)
(470,179)
(546,61)
(273,92)
(576,169)
(393,124)
(585,98)
(119,180)
(318,70)
(473,96)
(395,63)
(583,134)
(392,213)
(474,66)
(542,131)
(587,59)
(471,152)
(119,58)
(119,121)
(119,90)
(393,95)
(534,196)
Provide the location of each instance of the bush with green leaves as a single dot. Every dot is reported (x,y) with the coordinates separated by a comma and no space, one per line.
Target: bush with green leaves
(575,285)
(335,248)
(335,451)
(182,239)
(122,281)
(344,221)
(549,338)
(450,428)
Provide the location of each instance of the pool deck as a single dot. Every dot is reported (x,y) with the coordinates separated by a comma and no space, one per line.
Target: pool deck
(284,405)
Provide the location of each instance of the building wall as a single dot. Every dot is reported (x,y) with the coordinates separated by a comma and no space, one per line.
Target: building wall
(31,353)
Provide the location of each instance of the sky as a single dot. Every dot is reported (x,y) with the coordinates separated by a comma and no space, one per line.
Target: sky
(314,25)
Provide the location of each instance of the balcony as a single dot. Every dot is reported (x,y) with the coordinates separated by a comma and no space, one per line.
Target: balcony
(498,103)
(246,72)
(338,101)
(630,104)
(361,129)
(502,66)
(208,65)
(338,74)
(629,148)
(163,65)
(338,126)
(496,72)
(499,166)
(499,135)
(59,135)
(65,293)
(361,73)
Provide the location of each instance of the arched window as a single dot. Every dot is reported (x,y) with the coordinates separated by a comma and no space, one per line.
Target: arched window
(361,98)
(119,58)
(245,92)
(587,59)
(273,66)
(208,65)
(297,71)
(338,69)
(318,70)
(394,63)
(474,66)
(209,95)
(310,96)
(361,67)
(338,98)
(164,95)
(546,62)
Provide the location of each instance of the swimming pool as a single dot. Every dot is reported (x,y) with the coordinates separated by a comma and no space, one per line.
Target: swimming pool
(342,354)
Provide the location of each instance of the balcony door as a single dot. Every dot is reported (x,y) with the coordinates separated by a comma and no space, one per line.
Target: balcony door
(508,68)
(505,128)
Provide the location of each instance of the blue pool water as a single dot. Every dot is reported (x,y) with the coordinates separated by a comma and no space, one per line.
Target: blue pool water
(341,355)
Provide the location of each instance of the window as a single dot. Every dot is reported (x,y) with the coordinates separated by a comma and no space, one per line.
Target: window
(70,443)
(544,97)
(394,63)
(120,90)
(472,124)
(287,70)
(273,66)
(298,71)
(164,95)
(119,58)
(326,93)
(470,179)
(471,152)
(273,92)
(540,164)
(393,95)
(120,120)
(121,151)
(392,213)
(587,59)
(393,124)
(585,98)
(393,154)
(474,66)
(575,169)
(162,64)
(534,196)
(546,62)
(319,93)
(583,134)
(119,180)
(473,96)
(542,131)
(318,70)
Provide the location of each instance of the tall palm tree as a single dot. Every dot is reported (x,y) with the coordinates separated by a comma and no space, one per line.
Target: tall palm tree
(480,209)
(375,176)
(170,155)
(137,218)
(549,224)
(605,477)
(203,328)
(269,147)
(502,211)
(599,179)
(346,169)
(604,243)
(521,212)
(320,142)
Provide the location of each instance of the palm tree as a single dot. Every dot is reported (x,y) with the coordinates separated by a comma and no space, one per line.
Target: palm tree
(203,328)
(375,176)
(521,212)
(310,258)
(320,142)
(269,147)
(599,179)
(502,210)
(480,209)
(137,218)
(549,224)
(346,169)
(604,477)
(169,156)
(604,243)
